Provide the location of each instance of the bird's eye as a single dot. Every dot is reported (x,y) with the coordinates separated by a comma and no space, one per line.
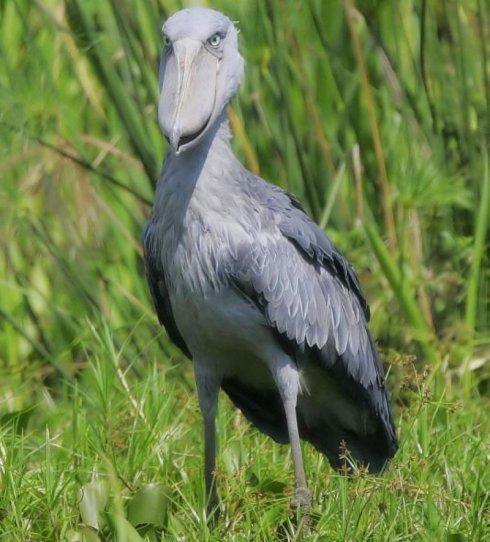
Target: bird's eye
(166,41)
(214,40)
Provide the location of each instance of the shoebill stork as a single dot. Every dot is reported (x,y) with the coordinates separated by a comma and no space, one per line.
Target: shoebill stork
(246,284)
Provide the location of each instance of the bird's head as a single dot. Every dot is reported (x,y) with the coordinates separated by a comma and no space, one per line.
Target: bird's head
(200,70)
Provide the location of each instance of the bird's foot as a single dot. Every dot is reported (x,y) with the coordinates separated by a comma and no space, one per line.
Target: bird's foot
(301,499)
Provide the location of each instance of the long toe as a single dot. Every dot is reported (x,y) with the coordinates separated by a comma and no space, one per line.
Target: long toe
(301,499)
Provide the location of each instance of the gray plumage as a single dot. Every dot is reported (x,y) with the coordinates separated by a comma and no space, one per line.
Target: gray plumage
(248,286)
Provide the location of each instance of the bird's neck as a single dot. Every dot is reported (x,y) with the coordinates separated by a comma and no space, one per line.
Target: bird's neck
(194,163)
(199,176)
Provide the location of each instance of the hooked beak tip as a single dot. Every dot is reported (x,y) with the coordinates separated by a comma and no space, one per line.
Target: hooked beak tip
(174,141)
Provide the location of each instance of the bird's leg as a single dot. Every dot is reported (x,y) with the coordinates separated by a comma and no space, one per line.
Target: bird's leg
(208,385)
(287,380)
(302,495)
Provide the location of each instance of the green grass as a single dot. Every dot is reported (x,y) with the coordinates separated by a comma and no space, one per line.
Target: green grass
(127,432)
(375,114)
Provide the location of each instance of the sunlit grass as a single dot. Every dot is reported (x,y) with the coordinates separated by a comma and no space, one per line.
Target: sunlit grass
(124,432)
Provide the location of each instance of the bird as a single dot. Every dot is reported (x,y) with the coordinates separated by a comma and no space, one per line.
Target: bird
(247,285)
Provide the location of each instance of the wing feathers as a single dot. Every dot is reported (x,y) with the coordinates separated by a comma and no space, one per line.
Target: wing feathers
(311,296)
(159,293)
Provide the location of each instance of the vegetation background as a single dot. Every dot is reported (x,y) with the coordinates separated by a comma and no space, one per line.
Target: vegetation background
(375,113)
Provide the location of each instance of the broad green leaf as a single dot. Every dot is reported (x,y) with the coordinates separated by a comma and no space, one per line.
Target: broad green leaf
(148,506)
(92,501)
(122,529)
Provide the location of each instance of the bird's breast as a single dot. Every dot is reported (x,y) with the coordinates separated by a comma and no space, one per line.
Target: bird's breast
(223,329)
(197,254)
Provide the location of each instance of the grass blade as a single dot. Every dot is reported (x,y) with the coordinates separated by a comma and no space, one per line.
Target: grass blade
(481,232)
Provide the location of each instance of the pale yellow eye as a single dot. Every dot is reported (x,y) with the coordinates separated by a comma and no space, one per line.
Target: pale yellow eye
(214,40)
